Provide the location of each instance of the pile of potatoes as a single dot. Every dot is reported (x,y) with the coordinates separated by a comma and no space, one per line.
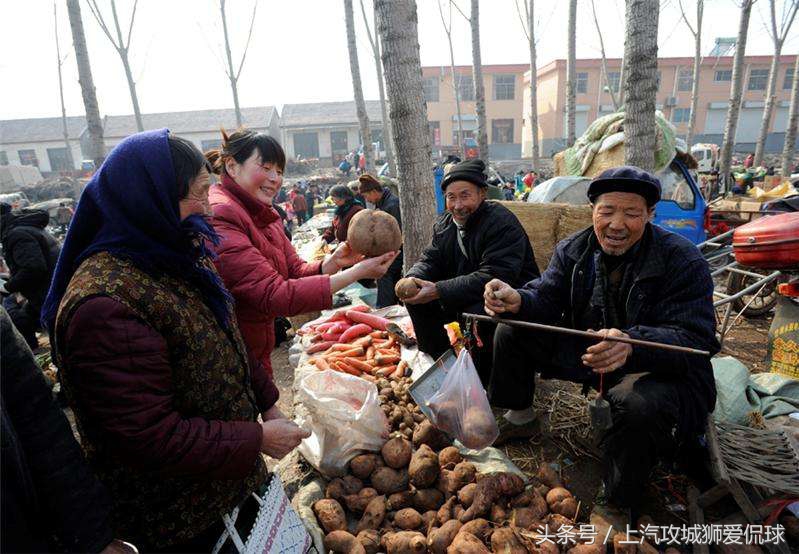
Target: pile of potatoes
(419,495)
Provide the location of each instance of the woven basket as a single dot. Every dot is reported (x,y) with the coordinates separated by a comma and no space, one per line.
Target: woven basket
(573,219)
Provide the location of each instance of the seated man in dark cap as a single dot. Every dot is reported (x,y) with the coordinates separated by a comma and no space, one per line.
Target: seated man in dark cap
(622,277)
(474,241)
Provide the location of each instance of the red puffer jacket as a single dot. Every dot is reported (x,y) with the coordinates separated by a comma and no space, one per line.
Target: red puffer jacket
(261,269)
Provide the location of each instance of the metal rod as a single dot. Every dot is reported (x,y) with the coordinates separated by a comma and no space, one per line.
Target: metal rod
(587,334)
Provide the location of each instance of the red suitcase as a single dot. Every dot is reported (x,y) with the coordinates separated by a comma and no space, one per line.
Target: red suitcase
(770,242)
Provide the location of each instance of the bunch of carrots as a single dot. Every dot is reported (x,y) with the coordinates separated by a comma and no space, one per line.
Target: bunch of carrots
(357,342)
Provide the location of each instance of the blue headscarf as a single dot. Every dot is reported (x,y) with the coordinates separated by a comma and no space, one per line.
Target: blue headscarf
(130,209)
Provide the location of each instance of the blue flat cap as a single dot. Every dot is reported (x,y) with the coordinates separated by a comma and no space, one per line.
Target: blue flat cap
(626,178)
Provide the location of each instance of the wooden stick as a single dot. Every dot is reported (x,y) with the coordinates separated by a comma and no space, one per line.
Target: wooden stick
(587,334)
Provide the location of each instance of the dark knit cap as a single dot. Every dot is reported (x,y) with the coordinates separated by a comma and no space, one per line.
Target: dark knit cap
(626,178)
(470,170)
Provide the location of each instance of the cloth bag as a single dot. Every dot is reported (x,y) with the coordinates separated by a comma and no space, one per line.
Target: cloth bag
(344,418)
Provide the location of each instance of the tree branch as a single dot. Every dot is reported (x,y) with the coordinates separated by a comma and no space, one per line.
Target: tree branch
(605,60)
(98,16)
(443,22)
(791,15)
(522,21)
(247,44)
(130,27)
(452,3)
(368,30)
(684,18)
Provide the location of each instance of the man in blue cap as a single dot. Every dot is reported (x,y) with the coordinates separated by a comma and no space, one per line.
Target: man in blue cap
(622,276)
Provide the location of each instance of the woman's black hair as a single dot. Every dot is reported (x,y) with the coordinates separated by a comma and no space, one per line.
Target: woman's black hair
(240,146)
(187,161)
(341,191)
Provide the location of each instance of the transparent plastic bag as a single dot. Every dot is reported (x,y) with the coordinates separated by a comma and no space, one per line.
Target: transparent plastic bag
(344,418)
(460,407)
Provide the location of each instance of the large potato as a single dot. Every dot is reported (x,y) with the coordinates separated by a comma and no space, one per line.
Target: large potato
(373,232)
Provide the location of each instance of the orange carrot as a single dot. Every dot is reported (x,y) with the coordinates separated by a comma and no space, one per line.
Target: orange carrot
(346,368)
(368,377)
(321,363)
(391,341)
(341,347)
(376,334)
(363,341)
(359,365)
(370,353)
(399,372)
(385,371)
(382,359)
(387,351)
(353,352)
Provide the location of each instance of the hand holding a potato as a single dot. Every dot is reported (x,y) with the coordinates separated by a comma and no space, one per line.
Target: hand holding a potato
(607,355)
(427,292)
(343,256)
(375,268)
(281,436)
(501,298)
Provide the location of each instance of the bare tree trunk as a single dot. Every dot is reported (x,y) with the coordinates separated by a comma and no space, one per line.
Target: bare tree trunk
(778,37)
(70,160)
(571,77)
(697,63)
(397,27)
(374,42)
(640,82)
(793,118)
(613,97)
(533,86)
(455,86)
(479,87)
(93,123)
(231,75)
(360,105)
(731,125)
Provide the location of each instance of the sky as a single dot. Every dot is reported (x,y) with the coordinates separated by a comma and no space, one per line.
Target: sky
(298,51)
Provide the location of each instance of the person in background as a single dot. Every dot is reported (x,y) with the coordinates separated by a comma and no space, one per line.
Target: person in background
(508,191)
(345,167)
(474,241)
(150,356)
(31,254)
(346,207)
(383,199)
(63,216)
(260,267)
(299,204)
(749,160)
(51,500)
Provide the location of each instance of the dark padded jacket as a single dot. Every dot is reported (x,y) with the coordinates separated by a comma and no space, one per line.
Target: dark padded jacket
(30,252)
(50,497)
(670,301)
(496,248)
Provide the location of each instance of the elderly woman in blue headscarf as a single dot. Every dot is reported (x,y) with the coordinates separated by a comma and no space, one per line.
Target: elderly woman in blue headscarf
(150,355)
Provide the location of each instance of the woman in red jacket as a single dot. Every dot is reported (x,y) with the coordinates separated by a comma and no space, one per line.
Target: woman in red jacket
(255,259)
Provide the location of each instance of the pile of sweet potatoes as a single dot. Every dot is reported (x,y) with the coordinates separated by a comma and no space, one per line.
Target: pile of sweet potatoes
(418,495)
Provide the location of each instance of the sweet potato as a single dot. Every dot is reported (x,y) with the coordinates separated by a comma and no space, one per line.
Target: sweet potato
(342,542)
(489,489)
(423,469)
(466,494)
(408,519)
(566,507)
(336,490)
(439,538)
(448,483)
(523,499)
(479,428)
(370,540)
(457,510)
(359,502)
(585,549)
(444,513)
(330,515)
(362,466)
(404,542)
(505,541)
(428,520)
(406,288)
(555,521)
(352,485)
(479,527)
(373,515)
(449,457)
(387,480)
(400,500)
(498,514)
(557,494)
(622,547)
(397,452)
(426,433)
(466,543)
(428,499)
(465,473)
(524,517)
(548,476)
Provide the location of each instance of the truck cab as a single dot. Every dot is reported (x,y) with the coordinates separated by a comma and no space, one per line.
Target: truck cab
(682,208)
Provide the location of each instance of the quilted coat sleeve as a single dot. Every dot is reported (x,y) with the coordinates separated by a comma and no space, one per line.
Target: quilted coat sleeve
(253,280)
(120,369)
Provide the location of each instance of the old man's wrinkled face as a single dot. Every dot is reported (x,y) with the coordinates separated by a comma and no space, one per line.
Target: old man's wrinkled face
(619,221)
(463,198)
